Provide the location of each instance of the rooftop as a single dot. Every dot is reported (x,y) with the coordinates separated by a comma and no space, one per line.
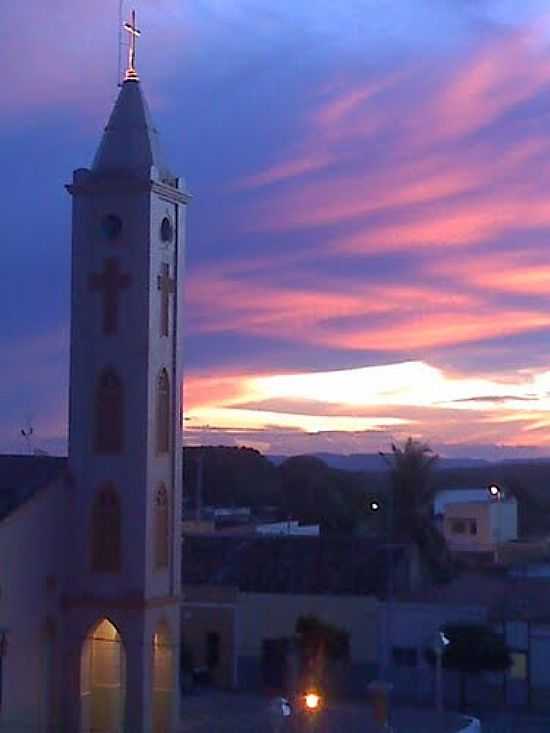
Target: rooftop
(130,143)
(22,476)
(283,564)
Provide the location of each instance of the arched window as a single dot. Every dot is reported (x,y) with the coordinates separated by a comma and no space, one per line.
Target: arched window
(106,531)
(109,417)
(162,527)
(163,412)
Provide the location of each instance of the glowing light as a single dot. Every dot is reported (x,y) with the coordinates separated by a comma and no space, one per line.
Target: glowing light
(494,491)
(312,700)
(375,506)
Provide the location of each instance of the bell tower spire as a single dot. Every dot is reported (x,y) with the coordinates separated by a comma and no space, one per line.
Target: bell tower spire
(125,429)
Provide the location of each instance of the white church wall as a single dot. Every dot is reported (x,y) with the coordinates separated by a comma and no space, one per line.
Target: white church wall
(125,351)
(31,545)
(161,582)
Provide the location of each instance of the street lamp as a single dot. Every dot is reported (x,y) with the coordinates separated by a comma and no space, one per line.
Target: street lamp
(496,493)
(376,506)
(439,643)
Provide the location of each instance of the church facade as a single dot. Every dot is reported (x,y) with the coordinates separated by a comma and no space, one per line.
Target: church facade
(90,565)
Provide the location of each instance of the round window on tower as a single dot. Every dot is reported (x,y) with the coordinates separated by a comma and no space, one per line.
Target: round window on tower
(166,230)
(111,226)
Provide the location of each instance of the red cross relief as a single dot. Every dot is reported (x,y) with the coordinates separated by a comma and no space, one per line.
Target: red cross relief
(110,282)
(166,286)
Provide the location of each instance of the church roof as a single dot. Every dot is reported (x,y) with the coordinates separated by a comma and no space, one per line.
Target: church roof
(130,143)
(22,476)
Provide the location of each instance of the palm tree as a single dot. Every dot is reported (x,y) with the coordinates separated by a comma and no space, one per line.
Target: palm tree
(411,468)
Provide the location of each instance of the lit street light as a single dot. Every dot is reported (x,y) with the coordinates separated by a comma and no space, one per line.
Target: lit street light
(439,643)
(495,492)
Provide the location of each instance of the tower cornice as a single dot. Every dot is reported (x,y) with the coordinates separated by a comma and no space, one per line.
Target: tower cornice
(92,186)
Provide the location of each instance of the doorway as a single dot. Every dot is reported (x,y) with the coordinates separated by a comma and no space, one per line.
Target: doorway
(102,680)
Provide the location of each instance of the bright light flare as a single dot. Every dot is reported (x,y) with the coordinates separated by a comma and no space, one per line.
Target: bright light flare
(312,700)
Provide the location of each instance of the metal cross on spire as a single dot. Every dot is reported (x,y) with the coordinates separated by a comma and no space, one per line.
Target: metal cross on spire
(131,28)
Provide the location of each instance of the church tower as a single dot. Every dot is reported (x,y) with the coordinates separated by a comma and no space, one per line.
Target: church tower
(122,586)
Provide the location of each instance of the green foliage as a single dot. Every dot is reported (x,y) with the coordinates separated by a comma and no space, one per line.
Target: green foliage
(313,493)
(231,476)
(473,649)
(411,474)
(317,638)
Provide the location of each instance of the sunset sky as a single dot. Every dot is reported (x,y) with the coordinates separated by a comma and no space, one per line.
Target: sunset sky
(369,236)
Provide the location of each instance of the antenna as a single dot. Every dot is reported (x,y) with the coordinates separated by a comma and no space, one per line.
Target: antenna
(120,22)
(27,433)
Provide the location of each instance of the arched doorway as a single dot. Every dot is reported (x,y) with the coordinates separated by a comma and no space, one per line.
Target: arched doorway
(102,681)
(163,679)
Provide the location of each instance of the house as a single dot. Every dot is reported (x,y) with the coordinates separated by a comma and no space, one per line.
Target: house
(473,520)
(516,606)
(243,592)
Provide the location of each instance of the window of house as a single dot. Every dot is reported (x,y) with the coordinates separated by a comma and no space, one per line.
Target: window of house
(163,412)
(162,527)
(518,669)
(106,531)
(458,526)
(212,649)
(109,417)
(405,656)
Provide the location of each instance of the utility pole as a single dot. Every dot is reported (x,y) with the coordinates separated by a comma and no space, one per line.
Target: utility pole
(198,496)
(386,656)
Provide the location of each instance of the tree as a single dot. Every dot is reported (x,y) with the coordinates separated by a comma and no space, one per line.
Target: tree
(411,468)
(313,493)
(320,645)
(472,649)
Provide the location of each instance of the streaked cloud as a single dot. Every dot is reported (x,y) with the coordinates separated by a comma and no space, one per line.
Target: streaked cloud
(372,189)
(396,399)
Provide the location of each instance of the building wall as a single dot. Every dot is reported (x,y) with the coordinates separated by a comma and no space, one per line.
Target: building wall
(269,616)
(504,520)
(494,521)
(469,512)
(208,610)
(31,543)
(244,620)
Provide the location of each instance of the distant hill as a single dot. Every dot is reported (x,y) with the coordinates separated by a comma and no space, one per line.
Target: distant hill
(372,462)
(333,490)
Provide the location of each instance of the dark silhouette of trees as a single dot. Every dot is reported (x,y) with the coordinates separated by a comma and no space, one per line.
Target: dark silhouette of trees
(411,468)
(411,476)
(231,477)
(322,648)
(473,648)
(313,493)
